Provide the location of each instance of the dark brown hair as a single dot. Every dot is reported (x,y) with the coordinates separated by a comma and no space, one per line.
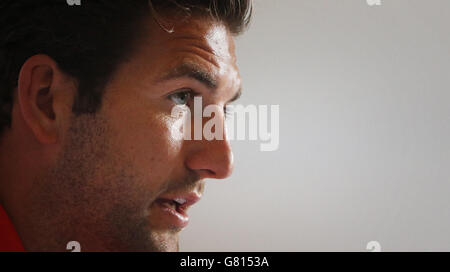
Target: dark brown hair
(89,41)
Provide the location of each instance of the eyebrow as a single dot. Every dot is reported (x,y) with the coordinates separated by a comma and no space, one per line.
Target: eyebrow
(194,71)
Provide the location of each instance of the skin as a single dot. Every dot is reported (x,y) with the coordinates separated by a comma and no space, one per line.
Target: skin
(95,178)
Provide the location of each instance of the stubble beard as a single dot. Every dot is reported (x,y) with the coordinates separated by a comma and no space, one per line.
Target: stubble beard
(91,196)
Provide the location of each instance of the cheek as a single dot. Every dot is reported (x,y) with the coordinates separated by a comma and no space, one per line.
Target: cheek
(151,146)
(143,139)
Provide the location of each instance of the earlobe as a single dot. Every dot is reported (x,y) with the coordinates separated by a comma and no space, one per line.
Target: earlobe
(36,94)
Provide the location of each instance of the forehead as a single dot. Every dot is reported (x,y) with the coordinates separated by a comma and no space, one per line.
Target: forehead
(203,43)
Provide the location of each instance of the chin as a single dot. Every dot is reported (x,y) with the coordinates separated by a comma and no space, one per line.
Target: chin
(166,242)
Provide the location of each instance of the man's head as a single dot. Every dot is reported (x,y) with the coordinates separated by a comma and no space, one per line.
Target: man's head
(88,151)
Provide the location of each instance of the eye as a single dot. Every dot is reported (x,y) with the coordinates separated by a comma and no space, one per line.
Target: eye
(228,110)
(181,97)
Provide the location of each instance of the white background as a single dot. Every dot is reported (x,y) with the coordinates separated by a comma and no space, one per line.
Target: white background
(364,154)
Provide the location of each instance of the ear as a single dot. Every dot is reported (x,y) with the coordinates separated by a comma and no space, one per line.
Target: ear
(45,96)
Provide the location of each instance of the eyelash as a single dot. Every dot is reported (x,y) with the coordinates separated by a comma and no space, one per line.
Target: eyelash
(191,93)
(228,114)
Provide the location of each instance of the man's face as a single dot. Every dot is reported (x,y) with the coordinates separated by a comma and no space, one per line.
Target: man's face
(115,179)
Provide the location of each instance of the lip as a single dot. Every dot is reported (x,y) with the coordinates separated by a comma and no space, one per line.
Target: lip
(175,216)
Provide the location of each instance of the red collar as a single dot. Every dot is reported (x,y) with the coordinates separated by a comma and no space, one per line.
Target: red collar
(9,240)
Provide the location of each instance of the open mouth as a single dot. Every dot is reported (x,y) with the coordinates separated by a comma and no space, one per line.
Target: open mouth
(170,210)
(178,204)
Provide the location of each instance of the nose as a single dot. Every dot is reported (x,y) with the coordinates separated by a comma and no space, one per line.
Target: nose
(211,158)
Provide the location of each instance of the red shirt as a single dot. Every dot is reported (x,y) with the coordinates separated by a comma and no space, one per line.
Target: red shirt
(9,239)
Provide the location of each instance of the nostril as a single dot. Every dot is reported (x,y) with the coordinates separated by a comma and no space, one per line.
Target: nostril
(206,173)
(211,159)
